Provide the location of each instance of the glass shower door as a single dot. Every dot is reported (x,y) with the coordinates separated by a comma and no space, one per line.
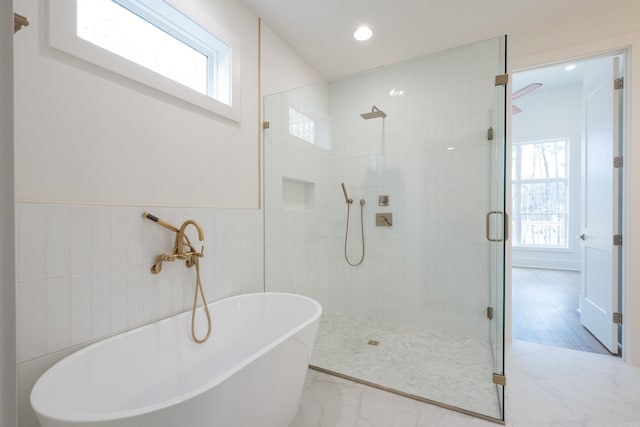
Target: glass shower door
(422,144)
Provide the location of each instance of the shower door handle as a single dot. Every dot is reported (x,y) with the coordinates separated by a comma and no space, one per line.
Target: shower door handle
(505,217)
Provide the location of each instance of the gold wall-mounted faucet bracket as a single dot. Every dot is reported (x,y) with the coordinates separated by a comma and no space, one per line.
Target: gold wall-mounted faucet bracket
(191,260)
(190,256)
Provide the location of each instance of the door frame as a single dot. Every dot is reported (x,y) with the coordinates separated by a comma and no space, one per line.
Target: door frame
(560,57)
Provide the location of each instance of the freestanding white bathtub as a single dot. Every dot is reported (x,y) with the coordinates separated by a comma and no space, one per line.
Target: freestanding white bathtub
(250,372)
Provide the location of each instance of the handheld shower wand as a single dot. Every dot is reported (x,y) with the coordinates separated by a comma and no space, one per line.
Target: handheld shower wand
(346,232)
(346,198)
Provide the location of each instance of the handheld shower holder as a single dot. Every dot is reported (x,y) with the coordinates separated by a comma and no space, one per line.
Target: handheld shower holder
(346,197)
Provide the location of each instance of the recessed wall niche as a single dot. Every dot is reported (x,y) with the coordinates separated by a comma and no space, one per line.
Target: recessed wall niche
(297,195)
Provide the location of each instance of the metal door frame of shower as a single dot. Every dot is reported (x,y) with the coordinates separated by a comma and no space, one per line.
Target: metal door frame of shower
(409,395)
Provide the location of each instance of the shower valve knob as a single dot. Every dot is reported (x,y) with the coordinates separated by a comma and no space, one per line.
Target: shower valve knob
(384,219)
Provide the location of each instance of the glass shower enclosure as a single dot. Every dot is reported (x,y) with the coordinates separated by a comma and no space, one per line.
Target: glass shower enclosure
(413,289)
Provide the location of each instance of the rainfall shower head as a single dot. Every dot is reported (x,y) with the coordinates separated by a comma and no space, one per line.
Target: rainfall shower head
(374,114)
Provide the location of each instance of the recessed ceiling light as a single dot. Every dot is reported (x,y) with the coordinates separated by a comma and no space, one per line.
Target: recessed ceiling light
(570,67)
(363,33)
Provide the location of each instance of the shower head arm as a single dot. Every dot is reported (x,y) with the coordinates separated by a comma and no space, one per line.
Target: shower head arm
(346,197)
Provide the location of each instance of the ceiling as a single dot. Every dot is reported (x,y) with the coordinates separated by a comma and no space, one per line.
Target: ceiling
(551,77)
(321,30)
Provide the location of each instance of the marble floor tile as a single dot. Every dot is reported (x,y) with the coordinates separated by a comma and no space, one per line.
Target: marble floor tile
(455,371)
(546,387)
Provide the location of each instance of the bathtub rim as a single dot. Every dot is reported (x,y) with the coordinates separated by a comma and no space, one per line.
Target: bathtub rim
(117,415)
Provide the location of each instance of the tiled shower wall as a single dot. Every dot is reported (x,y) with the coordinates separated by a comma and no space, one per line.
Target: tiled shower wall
(430,155)
(83,274)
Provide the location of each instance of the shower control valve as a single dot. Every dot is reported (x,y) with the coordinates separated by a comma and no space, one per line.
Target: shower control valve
(384,219)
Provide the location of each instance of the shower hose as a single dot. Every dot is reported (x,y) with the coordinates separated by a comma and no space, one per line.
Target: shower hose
(193,260)
(200,291)
(346,234)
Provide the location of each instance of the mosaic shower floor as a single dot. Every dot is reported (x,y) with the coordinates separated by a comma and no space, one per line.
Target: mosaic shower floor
(451,370)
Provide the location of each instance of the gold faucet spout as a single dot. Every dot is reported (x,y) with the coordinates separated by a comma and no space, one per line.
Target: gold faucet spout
(182,240)
(196,225)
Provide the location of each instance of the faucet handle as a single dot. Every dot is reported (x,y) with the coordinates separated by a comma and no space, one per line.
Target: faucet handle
(192,259)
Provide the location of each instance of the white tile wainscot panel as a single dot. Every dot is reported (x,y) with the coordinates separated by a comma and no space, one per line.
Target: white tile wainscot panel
(32,331)
(84,275)
(80,238)
(57,235)
(58,314)
(31,242)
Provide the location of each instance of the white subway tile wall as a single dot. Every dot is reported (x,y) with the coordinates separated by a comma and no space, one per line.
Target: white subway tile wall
(434,257)
(84,275)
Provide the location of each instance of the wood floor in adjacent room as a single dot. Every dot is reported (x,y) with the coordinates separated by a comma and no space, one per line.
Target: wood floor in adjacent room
(545,309)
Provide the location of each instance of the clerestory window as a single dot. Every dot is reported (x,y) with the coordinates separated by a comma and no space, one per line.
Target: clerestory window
(301,125)
(154,37)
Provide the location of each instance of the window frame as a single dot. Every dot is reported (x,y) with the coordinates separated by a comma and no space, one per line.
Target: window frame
(517,182)
(63,36)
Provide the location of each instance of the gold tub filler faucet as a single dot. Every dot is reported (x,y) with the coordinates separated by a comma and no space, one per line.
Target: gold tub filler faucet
(183,249)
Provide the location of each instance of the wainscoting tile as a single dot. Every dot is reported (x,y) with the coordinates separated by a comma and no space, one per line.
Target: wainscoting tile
(58,246)
(80,309)
(80,239)
(31,239)
(58,300)
(100,305)
(100,238)
(32,329)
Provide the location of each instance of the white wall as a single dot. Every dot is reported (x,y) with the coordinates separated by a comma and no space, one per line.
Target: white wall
(7,260)
(93,151)
(603,32)
(550,113)
(86,135)
(281,67)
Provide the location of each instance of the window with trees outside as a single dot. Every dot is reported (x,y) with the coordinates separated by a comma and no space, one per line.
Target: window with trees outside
(540,194)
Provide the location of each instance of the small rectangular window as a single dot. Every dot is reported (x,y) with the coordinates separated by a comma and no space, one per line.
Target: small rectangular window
(118,30)
(302,126)
(154,43)
(158,37)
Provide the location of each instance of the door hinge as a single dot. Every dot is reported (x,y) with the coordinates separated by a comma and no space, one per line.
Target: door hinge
(618,83)
(490,134)
(19,21)
(499,379)
(617,240)
(618,162)
(489,313)
(502,79)
(265,125)
(617,318)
